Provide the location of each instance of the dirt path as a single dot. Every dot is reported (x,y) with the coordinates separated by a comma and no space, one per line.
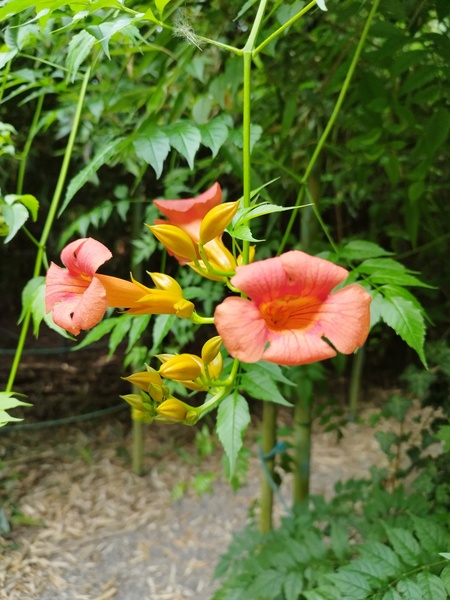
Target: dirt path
(102,533)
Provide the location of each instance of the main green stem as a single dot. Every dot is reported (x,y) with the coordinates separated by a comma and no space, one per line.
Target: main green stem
(269,422)
(48,226)
(302,445)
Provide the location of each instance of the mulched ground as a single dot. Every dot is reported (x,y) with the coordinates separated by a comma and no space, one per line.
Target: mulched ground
(84,527)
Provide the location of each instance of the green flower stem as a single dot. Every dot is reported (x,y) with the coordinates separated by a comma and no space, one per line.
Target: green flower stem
(48,226)
(330,124)
(302,445)
(283,27)
(355,383)
(198,320)
(268,431)
(26,150)
(138,427)
(212,403)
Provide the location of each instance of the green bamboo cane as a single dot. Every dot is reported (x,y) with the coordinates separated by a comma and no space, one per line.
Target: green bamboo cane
(51,215)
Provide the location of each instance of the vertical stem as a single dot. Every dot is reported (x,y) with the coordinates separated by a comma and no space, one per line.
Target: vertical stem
(26,149)
(138,433)
(48,226)
(269,430)
(355,383)
(302,445)
(269,422)
(331,121)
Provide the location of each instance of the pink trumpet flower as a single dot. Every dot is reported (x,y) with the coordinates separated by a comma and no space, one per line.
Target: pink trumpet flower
(78,296)
(290,309)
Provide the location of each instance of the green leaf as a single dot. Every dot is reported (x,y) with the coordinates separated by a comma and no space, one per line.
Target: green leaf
(139,324)
(405,319)
(445,574)
(391,595)
(293,585)
(233,417)
(405,545)
(353,585)
(431,586)
(339,541)
(259,384)
(108,150)
(266,585)
(97,332)
(431,535)
(359,250)
(384,557)
(243,232)
(160,5)
(161,327)
(15,217)
(153,147)
(185,138)
(79,47)
(409,589)
(121,329)
(6,403)
(214,134)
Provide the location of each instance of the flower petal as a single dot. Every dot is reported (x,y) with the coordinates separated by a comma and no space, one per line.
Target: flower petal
(61,286)
(120,292)
(296,348)
(345,318)
(293,273)
(180,212)
(84,256)
(242,328)
(83,312)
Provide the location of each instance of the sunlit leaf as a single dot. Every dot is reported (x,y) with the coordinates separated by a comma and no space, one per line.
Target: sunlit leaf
(233,418)
(185,138)
(153,147)
(79,47)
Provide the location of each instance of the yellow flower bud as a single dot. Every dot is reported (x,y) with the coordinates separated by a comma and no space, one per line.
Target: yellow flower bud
(183,309)
(172,410)
(216,220)
(211,349)
(182,366)
(134,400)
(144,379)
(175,240)
(215,367)
(167,283)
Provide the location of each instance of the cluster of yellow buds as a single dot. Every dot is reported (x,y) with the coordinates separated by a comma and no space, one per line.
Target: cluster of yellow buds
(155,403)
(193,233)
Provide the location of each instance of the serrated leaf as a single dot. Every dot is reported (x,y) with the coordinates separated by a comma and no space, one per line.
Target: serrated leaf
(6,403)
(339,541)
(405,319)
(359,250)
(185,138)
(405,545)
(396,277)
(79,47)
(266,585)
(108,150)
(293,585)
(391,595)
(445,575)
(351,584)
(274,371)
(161,327)
(243,232)
(430,534)
(233,417)
(153,147)
(139,324)
(118,333)
(259,385)
(384,556)
(431,586)
(214,134)
(95,334)
(409,589)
